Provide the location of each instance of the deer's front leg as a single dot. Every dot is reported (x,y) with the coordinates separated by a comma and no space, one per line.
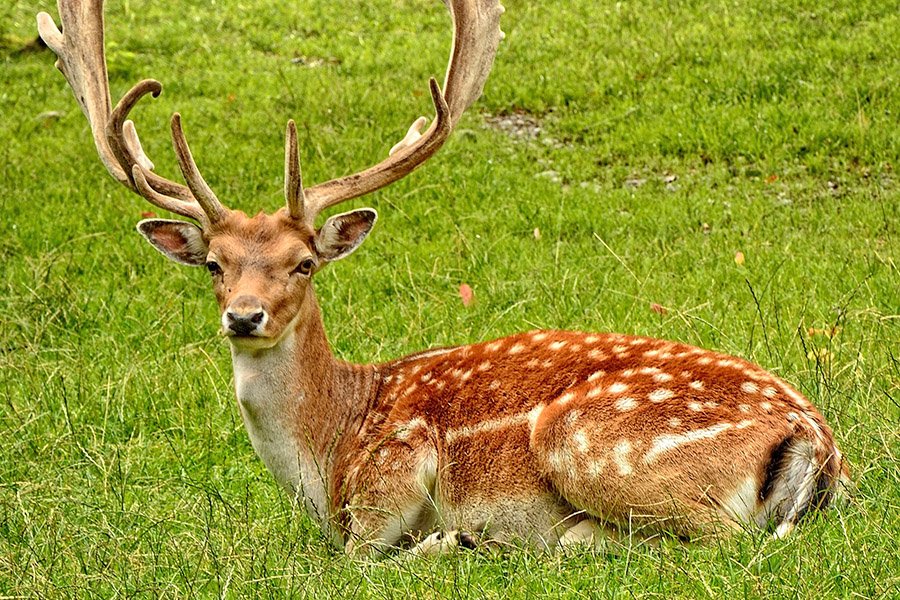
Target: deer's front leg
(388,489)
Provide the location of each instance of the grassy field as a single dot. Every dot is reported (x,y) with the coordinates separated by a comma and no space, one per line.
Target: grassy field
(622,155)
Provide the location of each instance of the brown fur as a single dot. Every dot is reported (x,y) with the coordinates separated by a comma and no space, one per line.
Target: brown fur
(518,438)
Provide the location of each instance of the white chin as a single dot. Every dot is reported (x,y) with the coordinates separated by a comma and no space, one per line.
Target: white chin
(250,342)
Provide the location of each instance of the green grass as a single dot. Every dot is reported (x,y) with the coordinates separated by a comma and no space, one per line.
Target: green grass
(124,467)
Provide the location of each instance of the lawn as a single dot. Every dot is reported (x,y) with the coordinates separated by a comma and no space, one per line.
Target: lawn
(721,173)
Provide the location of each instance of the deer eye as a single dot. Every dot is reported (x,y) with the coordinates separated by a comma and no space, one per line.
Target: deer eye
(213,267)
(305,267)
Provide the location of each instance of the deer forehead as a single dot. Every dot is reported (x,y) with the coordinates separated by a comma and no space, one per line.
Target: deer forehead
(263,238)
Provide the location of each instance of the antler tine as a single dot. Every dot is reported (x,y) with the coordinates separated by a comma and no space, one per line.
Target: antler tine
(293,180)
(82,60)
(126,146)
(476,36)
(202,192)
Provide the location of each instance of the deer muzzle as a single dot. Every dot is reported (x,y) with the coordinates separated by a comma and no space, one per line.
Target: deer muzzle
(245,316)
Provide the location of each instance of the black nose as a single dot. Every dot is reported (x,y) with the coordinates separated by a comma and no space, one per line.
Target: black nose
(244,324)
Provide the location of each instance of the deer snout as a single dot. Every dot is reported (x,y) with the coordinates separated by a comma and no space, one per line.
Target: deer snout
(244,316)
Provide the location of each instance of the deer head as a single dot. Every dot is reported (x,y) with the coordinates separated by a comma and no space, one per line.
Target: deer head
(261,266)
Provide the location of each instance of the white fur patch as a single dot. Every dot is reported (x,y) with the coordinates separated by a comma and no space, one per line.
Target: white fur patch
(596,375)
(660,395)
(581,441)
(618,387)
(625,404)
(665,443)
(620,456)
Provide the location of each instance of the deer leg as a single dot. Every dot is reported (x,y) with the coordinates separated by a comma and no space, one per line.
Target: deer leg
(444,542)
(390,497)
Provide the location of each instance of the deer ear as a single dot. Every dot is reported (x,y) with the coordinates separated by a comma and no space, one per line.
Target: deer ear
(343,233)
(180,241)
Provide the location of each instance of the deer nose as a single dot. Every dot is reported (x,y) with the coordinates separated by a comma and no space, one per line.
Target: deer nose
(244,318)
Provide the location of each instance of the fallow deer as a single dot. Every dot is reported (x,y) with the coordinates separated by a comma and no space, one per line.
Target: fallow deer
(548,437)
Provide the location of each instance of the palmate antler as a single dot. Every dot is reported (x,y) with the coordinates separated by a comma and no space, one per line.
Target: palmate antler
(81,58)
(82,61)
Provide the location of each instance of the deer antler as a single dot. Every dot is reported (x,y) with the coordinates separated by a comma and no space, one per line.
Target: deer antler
(476,35)
(81,59)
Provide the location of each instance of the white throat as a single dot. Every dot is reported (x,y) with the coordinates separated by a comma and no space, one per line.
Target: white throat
(271,408)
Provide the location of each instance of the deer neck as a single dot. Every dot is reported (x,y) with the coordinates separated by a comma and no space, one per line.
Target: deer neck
(296,401)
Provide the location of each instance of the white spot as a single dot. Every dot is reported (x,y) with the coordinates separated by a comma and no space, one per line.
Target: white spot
(651,353)
(571,417)
(495,384)
(540,336)
(624,404)
(465,376)
(618,387)
(687,374)
(532,363)
(484,366)
(566,398)
(660,395)
(795,396)
(769,392)
(533,415)
(581,441)
(410,389)
(638,341)
(426,377)
(620,456)
(620,349)
(440,384)
(696,385)
(547,363)
(745,424)
(695,406)
(766,406)
(792,416)
(725,363)
(591,339)
(649,370)
(749,387)
(664,443)
(596,375)
(557,345)
(662,377)
(574,347)
(710,404)
(596,354)
(558,460)
(704,360)
(494,424)
(403,431)
(516,348)
(595,467)
(744,408)
(665,355)
(493,346)
(594,392)
(674,422)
